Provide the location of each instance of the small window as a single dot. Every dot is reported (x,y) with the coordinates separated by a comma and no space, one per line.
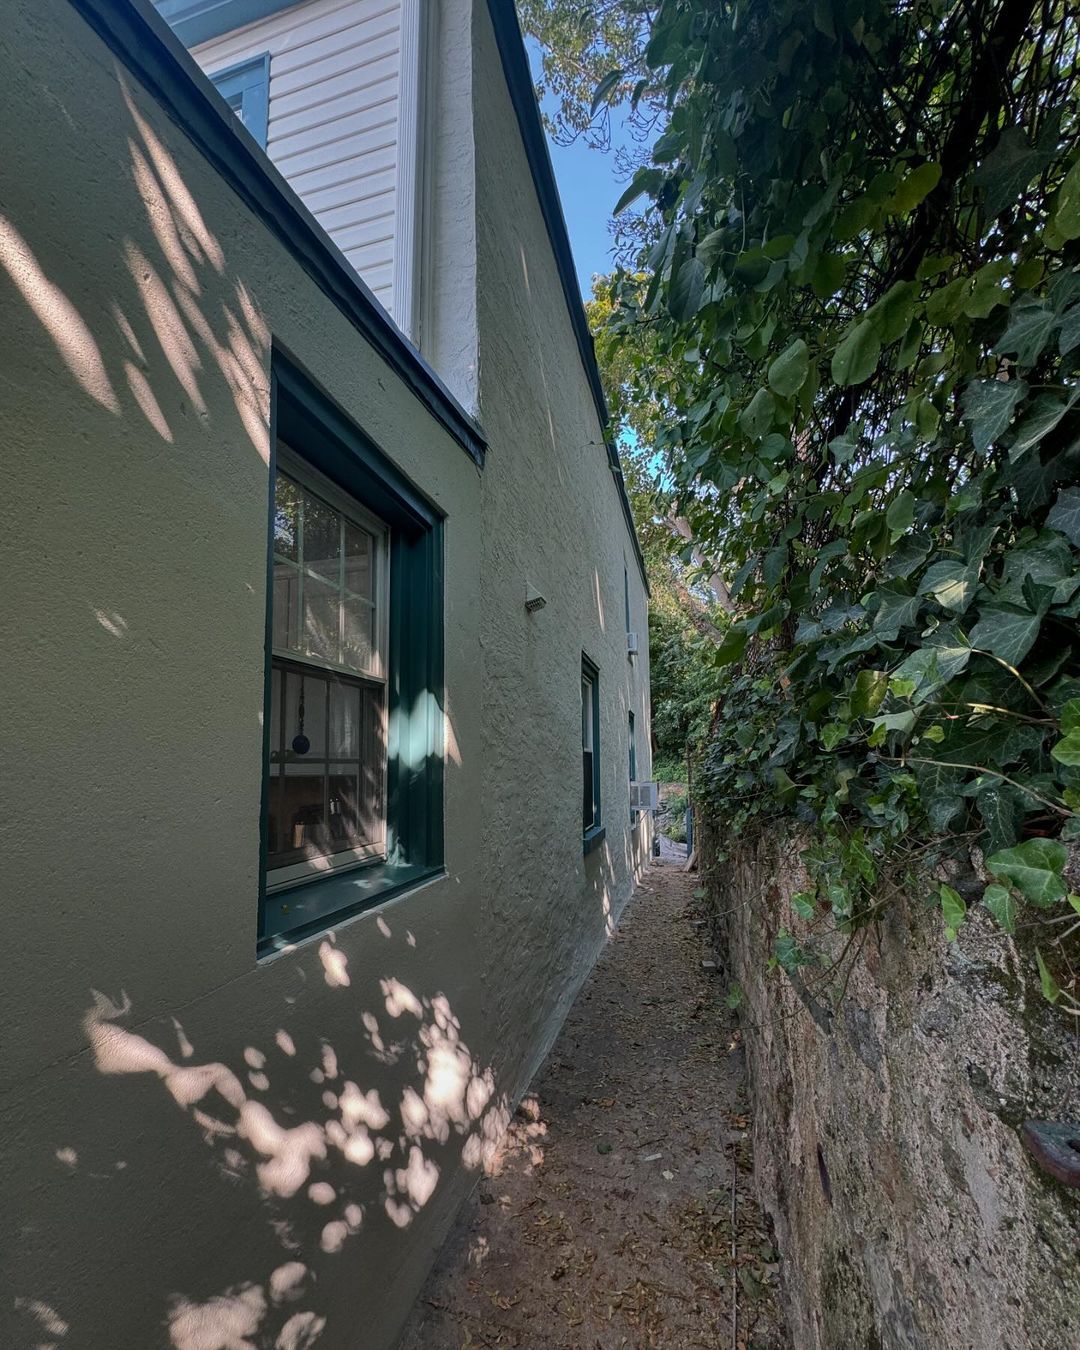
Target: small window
(633,755)
(591,826)
(353,729)
(246,89)
(328,692)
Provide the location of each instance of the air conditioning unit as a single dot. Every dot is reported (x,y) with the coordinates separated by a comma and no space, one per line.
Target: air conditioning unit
(644,797)
(631,644)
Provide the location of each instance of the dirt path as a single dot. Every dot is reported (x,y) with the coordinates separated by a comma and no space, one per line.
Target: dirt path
(608,1220)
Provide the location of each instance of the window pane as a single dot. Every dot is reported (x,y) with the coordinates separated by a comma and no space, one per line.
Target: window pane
(322,619)
(358,646)
(302,812)
(276,836)
(344,823)
(286,606)
(286,517)
(275,712)
(322,539)
(344,721)
(313,690)
(358,553)
(587,812)
(586,713)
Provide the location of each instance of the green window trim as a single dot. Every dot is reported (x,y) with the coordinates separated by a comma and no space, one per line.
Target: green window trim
(305,418)
(593,831)
(245,87)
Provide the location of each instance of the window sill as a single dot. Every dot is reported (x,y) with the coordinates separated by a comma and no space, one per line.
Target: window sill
(315,906)
(593,839)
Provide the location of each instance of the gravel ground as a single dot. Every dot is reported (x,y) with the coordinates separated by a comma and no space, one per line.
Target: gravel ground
(607,1220)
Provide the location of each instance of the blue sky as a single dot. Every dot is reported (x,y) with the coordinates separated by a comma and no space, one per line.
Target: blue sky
(589,189)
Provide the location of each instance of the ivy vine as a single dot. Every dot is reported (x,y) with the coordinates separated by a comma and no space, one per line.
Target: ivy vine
(859,310)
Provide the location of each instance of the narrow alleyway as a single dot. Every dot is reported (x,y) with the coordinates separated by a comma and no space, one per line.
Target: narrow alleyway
(607,1222)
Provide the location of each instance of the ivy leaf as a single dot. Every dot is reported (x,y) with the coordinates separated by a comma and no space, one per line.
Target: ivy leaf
(856,358)
(1065,514)
(788,952)
(1034,868)
(1031,322)
(897,609)
(1067,750)
(802,902)
(952,584)
(1067,220)
(901,513)
(1002,906)
(1070,716)
(1050,990)
(1069,333)
(953,910)
(786,790)
(988,406)
(1007,170)
(1001,810)
(901,722)
(1046,412)
(871,686)
(833,733)
(788,372)
(929,667)
(1005,631)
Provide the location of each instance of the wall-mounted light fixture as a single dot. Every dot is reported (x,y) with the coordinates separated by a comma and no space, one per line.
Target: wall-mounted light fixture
(533,599)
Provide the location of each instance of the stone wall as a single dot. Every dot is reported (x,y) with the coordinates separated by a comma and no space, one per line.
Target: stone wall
(886,1127)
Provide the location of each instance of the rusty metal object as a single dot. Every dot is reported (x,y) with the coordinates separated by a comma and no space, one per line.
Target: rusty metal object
(1055,1147)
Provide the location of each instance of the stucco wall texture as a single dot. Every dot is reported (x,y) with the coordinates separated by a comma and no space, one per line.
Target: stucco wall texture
(199,1150)
(887,1150)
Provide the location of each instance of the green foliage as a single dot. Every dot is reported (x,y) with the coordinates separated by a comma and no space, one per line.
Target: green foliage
(854,335)
(592,54)
(667,769)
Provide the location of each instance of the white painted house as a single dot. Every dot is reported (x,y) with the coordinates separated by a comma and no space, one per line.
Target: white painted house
(334,91)
(327,734)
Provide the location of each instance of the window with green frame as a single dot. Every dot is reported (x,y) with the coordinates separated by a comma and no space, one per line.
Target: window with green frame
(591,821)
(632,733)
(353,753)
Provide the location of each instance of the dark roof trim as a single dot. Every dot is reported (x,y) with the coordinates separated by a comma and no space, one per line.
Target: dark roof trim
(195,21)
(143,41)
(515,63)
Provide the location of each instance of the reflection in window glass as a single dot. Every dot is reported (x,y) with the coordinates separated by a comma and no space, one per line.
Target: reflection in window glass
(328,691)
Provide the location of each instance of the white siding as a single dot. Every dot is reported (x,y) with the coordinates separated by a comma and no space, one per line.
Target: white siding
(335,75)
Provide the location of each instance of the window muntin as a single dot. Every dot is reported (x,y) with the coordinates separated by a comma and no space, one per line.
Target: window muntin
(328,736)
(590,749)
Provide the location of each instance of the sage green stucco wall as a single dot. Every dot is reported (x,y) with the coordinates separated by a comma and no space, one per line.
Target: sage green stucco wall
(549,494)
(198,1149)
